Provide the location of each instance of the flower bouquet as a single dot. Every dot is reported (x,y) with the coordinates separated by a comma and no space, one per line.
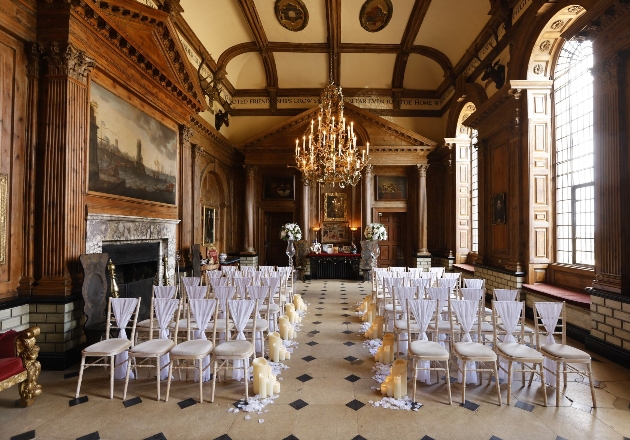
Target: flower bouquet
(375,231)
(290,231)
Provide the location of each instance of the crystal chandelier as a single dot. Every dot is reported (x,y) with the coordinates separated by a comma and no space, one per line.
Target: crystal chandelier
(329,154)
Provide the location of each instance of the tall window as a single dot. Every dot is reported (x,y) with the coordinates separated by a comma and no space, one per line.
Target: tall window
(474,194)
(573,106)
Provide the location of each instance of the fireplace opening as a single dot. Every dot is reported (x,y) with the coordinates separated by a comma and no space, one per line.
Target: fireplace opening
(137,267)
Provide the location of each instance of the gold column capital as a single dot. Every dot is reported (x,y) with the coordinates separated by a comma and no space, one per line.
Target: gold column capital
(422,169)
(250,170)
(65,59)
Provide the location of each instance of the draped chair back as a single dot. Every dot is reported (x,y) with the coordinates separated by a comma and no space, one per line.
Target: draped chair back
(439,271)
(274,285)
(222,294)
(505,295)
(164,291)
(256,278)
(548,318)
(191,281)
(202,311)
(240,311)
(219,282)
(422,311)
(451,283)
(241,283)
(439,294)
(166,312)
(421,283)
(196,292)
(466,313)
(472,294)
(260,294)
(474,283)
(228,269)
(432,276)
(211,274)
(122,315)
(248,270)
(415,270)
(512,314)
(397,269)
(402,295)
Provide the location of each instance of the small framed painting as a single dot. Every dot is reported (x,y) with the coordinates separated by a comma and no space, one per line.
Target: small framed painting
(498,209)
(279,188)
(334,232)
(391,187)
(209,222)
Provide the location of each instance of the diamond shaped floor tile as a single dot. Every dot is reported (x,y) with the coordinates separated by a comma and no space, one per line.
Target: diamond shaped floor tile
(470,405)
(523,405)
(355,405)
(308,358)
(348,343)
(298,404)
(311,343)
(351,358)
(347,332)
(304,378)
(352,378)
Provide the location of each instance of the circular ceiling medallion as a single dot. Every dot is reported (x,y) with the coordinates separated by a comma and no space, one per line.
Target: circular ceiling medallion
(292,14)
(375,14)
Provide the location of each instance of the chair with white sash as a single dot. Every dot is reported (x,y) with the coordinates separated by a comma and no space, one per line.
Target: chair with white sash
(470,353)
(191,292)
(384,303)
(166,312)
(223,325)
(513,295)
(432,276)
(444,328)
(260,294)
(451,283)
(197,347)
(415,270)
(422,351)
(120,311)
(438,271)
(559,358)
(275,293)
(512,313)
(238,350)
(191,281)
(402,326)
(397,269)
(241,284)
(487,329)
(144,325)
(454,275)
(422,283)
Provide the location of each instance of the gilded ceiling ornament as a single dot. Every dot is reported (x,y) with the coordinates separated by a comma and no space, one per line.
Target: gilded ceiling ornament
(545,46)
(539,69)
(292,14)
(575,9)
(375,14)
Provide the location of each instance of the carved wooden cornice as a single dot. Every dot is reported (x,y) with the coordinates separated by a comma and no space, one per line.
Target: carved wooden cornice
(185,135)
(203,126)
(601,16)
(63,59)
(489,107)
(179,80)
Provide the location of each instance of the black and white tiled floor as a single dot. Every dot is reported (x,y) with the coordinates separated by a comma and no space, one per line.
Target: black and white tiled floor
(326,393)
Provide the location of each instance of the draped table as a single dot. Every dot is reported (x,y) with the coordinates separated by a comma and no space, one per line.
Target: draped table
(340,265)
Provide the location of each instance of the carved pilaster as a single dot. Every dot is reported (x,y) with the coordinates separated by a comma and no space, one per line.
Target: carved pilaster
(306,214)
(367,195)
(607,106)
(250,189)
(33,53)
(187,169)
(63,138)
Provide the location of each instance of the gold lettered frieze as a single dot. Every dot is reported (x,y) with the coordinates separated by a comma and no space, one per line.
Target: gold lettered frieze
(4,213)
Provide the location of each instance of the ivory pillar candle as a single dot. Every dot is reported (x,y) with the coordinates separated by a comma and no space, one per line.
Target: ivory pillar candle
(388,348)
(262,386)
(378,324)
(270,383)
(261,367)
(283,324)
(397,390)
(399,368)
(275,344)
(276,388)
(386,354)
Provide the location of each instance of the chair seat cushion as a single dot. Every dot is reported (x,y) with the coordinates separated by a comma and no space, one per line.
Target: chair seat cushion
(154,347)
(108,347)
(195,347)
(234,349)
(147,323)
(182,325)
(220,325)
(475,350)
(10,367)
(564,351)
(444,327)
(516,350)
(486,327)
(428,349)
(261,324)
(402,324)
(527,330)
(390,307)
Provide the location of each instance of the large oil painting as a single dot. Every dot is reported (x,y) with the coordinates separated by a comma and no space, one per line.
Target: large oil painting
(131,153)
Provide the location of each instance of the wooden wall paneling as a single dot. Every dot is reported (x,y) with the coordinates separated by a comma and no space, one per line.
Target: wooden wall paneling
(437,192)
(185,205)
(18,18)
(499,184)
(461,213)
(13,96)
(624,165)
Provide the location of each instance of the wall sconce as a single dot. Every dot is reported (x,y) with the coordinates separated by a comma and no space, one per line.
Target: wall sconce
(316,230)
(352,234)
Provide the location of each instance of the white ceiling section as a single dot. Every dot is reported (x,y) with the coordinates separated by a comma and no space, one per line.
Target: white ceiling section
(353,32)
(451,25)
(247,71)
(314,32)
(219,24)
(301,70)
(422,73)
(367,70)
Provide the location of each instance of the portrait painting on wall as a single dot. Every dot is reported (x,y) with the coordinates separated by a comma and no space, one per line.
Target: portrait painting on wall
(279,188)
(209,223)
(131,154)
(334,232)
(335,207)
(498,209)
(391,187)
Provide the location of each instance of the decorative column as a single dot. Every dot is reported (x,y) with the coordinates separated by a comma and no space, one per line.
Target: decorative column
(63,140)
(250,188)
(306,216)
(367,195)
(607,109)
(422,210)
(186,173)
(30,141)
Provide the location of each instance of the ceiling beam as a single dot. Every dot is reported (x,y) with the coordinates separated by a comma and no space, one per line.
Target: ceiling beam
(347,92)
(333,21)
(416,18)
(255,25)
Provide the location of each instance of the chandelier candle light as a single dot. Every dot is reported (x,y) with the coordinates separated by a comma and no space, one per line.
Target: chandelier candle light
(330,154)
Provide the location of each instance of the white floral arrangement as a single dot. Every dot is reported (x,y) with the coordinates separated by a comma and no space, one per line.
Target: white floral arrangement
(375,231)
(290,231)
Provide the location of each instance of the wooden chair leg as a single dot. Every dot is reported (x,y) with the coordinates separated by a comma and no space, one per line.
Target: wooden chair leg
(448,383)
(544,385)
(463,383)
(200,380)
(159,373)
(496,374)
(414,364)
(111,377)
(127,377)
(214,379)
(168,381)
(509,396)
(558,384)
(80,376)
(246,382)
(590,380)
(564,373)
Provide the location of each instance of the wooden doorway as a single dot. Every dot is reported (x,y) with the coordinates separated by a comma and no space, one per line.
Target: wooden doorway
(275,248)
(393,250)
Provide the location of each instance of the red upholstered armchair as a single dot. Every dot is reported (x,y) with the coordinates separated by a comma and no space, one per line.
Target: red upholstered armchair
(19,364)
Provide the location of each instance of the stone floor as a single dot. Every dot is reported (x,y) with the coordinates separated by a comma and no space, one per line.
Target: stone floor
(325,394)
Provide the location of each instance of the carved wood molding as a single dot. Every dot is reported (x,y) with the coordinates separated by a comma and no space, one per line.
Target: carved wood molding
(204,127)
(600,17)
(333,22)
(416,18)
(488,108)
(63,59)
(178,80)
(607,71)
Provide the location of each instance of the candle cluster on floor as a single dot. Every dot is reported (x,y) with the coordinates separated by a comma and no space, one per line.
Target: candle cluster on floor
(265,382)
(277,350)
(385,353)
(376,329)
(395,385)
(372,345)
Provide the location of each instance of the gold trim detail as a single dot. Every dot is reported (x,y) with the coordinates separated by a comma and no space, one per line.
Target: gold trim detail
(28,351)
(332,212)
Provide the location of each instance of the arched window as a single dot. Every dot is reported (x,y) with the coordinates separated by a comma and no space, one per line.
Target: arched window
(474,192)
(573,160)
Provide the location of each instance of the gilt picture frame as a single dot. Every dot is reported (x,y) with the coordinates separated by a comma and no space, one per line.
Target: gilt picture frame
(335,207)
(335,233)
(391,187)
(209,225)
(279,188)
